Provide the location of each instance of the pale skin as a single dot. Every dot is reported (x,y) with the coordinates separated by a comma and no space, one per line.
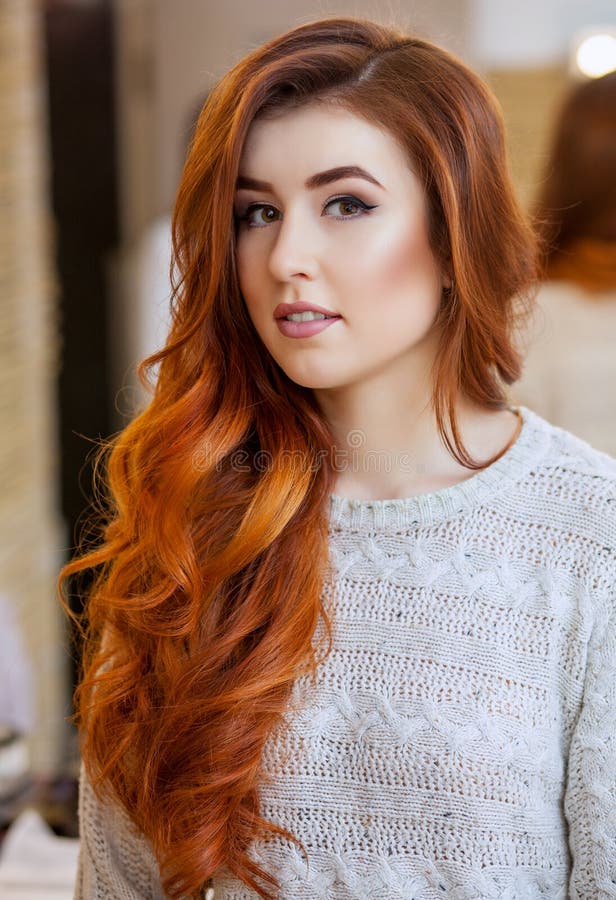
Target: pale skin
(369,370)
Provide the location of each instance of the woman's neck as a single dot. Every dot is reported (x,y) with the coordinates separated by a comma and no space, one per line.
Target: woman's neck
(390,457)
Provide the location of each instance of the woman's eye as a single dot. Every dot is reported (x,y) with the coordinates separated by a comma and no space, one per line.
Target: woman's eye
(258,215)
(349,207)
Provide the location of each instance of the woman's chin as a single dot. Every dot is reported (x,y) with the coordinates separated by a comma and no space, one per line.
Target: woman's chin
(313,377)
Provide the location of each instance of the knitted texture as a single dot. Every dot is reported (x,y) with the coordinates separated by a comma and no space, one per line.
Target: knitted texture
(460,740)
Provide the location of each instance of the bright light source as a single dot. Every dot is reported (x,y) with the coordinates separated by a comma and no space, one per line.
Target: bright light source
(596,55)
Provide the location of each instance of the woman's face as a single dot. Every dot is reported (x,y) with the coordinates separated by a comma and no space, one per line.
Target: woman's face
(354,244)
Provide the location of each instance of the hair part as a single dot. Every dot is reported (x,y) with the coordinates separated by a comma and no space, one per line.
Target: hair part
(213,569)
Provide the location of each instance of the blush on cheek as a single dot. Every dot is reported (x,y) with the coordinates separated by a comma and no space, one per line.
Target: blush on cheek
(402,261)
(410,277)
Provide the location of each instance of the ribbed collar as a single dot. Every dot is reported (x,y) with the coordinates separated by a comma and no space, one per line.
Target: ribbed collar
(529,448)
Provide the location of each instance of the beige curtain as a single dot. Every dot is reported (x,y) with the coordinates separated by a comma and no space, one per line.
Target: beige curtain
(30,530)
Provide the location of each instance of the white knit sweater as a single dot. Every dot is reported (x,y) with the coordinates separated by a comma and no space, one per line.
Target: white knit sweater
(461,741)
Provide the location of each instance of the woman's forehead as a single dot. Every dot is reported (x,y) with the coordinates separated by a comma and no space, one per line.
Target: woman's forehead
(317,137)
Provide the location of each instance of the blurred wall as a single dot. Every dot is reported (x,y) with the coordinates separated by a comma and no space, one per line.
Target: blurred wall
(529,98)
(523,50)
(528,34)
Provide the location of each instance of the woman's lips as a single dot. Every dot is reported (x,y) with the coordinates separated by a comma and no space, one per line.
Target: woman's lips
(286,309)
(305,329)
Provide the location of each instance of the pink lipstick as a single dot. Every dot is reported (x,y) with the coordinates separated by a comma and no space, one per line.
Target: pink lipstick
(305,329)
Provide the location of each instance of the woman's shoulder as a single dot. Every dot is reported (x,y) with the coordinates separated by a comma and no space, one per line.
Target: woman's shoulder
(570,454)
(574,479)
(564,511)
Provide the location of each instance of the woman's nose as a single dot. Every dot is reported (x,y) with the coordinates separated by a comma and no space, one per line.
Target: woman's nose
(295,250)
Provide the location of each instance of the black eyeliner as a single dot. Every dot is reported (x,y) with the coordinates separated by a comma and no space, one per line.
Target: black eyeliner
(355,200)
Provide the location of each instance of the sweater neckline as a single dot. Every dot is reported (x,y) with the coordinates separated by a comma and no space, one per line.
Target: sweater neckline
(528,449)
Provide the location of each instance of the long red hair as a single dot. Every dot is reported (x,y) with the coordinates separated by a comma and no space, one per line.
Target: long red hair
(210,573)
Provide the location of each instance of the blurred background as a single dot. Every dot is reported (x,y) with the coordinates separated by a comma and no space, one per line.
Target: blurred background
(97,102)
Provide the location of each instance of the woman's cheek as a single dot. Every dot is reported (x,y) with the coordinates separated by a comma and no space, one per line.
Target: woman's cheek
(249,278)
(354,241)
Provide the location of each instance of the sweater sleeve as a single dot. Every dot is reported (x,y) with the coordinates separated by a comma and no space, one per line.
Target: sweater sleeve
(590,797)
(116,862)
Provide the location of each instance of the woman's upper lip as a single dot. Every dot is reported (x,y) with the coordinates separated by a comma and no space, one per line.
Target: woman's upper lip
(286,309)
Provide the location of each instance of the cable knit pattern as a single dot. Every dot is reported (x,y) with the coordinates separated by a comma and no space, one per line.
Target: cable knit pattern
(460,740)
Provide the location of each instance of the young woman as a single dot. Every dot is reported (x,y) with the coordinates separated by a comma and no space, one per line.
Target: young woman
(353,629)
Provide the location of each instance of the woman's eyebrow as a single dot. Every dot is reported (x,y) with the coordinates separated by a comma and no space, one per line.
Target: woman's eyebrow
(315,181)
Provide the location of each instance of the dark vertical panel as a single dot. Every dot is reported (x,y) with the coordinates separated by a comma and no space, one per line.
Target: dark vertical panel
(82,125)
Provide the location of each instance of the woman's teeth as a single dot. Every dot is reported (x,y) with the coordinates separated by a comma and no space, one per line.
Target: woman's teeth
(306,316)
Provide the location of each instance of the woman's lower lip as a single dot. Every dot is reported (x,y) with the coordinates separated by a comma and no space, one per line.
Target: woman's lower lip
(305,329)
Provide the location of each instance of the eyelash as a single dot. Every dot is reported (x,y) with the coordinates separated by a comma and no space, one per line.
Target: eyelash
(364,209)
